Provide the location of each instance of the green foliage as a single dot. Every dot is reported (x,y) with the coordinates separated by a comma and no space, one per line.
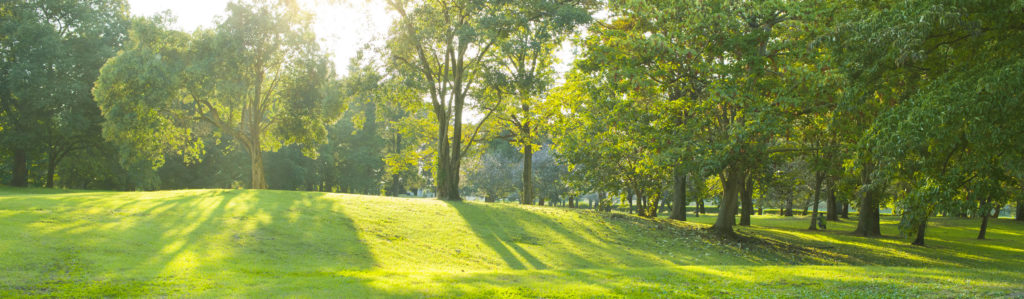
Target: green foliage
(259,78)
(50,53)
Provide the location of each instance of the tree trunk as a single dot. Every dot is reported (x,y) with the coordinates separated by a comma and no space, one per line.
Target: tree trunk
(747,201)
(396,184)
(868,222)
(259,181)
(920,232)
(995,213)
(52,159)
(789,207)
(818,177)
(679,195)
(19,176)
(985,209)
(832,205)
(527,197)
(732,182)
(846,211)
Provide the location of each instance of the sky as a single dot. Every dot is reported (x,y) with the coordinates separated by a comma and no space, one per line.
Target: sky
(342,28)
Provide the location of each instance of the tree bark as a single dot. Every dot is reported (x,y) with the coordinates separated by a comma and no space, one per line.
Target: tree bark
(985,209)
(527,197)
(396,184)
(832,205)
(679,195)
(19,176)
(789,207)
(868,221)
(51,166)
(920,232)
(846,211)
(732,182)
(259,180)
(818,177)
(995,213)
(747,201)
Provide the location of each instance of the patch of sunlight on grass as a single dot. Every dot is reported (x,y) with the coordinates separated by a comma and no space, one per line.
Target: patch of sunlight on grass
(265,243)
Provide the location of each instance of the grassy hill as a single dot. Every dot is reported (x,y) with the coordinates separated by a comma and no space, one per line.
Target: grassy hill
(280,243)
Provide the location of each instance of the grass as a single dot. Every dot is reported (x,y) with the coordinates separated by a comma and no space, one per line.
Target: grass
(245,243)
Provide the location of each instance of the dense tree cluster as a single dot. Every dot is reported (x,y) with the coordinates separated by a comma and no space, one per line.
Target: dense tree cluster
(911,107)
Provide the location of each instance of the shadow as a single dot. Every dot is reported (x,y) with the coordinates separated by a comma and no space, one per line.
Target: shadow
(165,243)
(500,237)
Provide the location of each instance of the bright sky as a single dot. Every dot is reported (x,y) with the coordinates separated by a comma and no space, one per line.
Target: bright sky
(342,28)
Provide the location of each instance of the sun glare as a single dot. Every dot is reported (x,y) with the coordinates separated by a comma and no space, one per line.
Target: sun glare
(343,28)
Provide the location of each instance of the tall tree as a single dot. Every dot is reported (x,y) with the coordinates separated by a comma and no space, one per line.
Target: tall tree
(445,44)
(259,78)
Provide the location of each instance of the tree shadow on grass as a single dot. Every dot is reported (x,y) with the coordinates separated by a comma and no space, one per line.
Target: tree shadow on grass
(171,243)
(497,236)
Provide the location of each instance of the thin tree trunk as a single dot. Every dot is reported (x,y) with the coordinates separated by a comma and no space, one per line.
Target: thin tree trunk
(747,201)
(789,207)
(679,195)
(985,209)
(51,166)
(818,177)
(19,176)
(995,213)
(396,184)
(528,171)
(846,211)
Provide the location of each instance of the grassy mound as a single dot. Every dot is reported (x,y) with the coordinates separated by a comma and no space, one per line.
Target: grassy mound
(279,243)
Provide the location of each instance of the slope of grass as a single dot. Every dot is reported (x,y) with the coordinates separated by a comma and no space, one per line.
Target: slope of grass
(279,243)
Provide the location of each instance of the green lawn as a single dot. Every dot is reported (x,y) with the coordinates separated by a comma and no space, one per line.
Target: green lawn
(201,243)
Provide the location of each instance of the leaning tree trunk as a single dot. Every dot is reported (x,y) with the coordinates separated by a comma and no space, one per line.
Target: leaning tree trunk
(747,200)
(817,193)
(995,213)
(732,182)
(678,195)
(19,176)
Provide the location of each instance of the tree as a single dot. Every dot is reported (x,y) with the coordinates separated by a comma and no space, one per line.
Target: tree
(445,44)
(258,77)
(521,75)
(953,83)
(50,53)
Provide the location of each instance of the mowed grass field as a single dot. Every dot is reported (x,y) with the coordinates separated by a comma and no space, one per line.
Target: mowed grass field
(246,243)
